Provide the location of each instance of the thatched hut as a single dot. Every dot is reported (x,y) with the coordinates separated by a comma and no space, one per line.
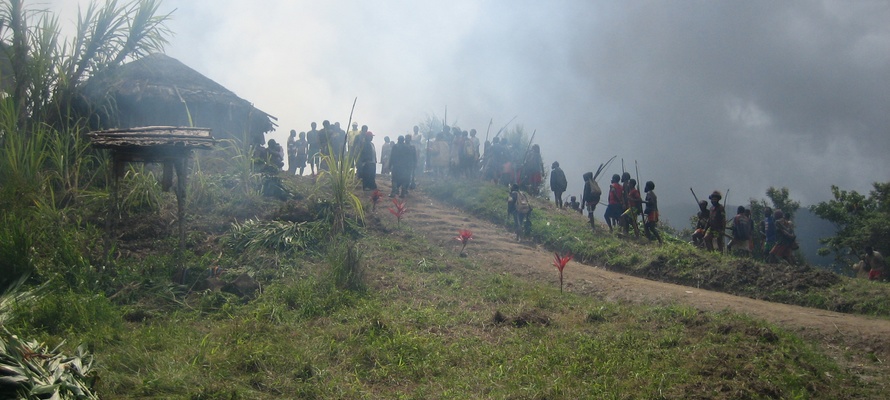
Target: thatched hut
(158,90)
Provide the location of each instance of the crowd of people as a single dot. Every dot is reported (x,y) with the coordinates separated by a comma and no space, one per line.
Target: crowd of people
(456,153)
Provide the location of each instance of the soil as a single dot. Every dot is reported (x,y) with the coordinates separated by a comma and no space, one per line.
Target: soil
(859,343)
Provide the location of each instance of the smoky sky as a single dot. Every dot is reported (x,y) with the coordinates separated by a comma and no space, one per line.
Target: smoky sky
(739,95)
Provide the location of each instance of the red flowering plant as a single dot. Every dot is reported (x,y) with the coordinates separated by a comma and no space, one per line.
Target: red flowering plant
(464,236)
(375,198)
(399,211)
(560,262)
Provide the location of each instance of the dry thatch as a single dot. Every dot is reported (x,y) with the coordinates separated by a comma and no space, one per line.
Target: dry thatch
(158,90)
(154,136)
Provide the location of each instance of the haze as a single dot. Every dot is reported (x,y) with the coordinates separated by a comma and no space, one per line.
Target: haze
(705,94)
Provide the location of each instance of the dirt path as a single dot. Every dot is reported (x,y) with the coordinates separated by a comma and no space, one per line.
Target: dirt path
(500,252)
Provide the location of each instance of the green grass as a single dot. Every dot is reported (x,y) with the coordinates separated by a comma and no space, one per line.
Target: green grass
(431,334)
(385,314)
(675,261)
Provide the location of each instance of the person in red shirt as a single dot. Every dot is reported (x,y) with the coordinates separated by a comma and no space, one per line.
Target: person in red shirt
(616,203)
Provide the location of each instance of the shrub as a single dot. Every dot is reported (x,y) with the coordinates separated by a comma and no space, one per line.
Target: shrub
(67,312)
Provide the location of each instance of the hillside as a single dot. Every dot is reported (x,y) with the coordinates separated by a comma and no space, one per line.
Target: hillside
(410,318)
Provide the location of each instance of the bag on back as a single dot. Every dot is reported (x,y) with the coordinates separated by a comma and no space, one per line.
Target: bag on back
(741,228)
(595,189)
(522,204)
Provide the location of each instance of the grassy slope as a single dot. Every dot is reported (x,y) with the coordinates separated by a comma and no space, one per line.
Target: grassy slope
(428,325)
(676,261)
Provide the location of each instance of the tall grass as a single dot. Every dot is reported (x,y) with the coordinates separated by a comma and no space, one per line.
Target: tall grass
(140,191)
(16,250)
(24,155)
(340,180)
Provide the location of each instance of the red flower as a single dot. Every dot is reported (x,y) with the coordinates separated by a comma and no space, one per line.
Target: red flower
(464,235)
(399,211)
(560,262)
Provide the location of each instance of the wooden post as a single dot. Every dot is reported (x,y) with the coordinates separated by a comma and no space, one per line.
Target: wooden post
(180,165)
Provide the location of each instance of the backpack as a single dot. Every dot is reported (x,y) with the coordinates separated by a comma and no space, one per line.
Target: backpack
(741,228)
(595,190)
(522,204)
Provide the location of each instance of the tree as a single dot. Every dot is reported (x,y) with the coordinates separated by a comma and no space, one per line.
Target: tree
(42,118)
(779,199)
(47,72)
(782,201)
(860,221)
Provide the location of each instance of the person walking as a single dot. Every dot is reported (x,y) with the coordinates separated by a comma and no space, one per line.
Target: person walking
(519,208)
(314,158)
(651,212)
(558,183)
(385,152)
(786,240)
(301,150)
(402,162)
(616,203)
(716,223)
(367,159)
(590,197)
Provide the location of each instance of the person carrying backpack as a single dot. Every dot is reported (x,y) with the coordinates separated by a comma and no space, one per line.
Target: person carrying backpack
(591,196)
(520,209)
(786,240)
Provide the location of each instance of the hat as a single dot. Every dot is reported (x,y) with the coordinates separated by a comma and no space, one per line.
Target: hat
(716,195)
(369,133)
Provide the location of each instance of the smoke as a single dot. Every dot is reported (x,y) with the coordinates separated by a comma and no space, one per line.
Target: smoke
(709,94)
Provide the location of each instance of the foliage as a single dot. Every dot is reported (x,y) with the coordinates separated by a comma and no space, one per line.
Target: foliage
(31,370)
(341,179)
(16,250)
(782,201)
(860,220)
(401,207)
(345,269)
(288,237)
(90,316)
(139,191)
(48,72)
(12,296)
(675,261)
(560,261)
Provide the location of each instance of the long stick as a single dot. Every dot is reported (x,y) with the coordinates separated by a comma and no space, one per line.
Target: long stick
(445,119)
(525,159)
(725,198)
(603,167)
(488,130)
(343,150)
(505,126)
(693,195)
(639,183)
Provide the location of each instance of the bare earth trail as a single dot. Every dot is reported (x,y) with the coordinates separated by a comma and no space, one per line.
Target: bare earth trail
(498,251)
